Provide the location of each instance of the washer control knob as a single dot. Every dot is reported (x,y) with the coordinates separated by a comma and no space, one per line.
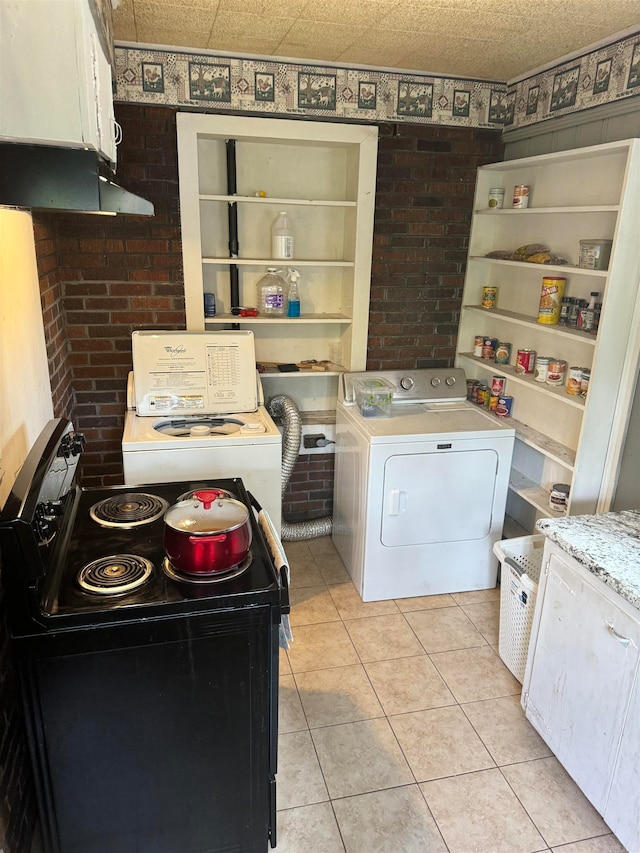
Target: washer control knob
(407,383)
(435,382)
(450,380)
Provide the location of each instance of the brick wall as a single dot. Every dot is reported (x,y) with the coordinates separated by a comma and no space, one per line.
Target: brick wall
(116,275)
(424,195)
(309,493)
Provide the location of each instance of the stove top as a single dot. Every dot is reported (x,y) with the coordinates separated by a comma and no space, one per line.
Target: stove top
(75,556)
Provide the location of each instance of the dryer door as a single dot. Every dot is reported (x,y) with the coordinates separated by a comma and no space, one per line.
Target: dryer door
(440,496)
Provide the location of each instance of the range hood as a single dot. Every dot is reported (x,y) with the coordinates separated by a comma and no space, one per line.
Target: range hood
(42,177)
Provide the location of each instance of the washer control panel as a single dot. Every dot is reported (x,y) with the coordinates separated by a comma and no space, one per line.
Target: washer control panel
(423,385)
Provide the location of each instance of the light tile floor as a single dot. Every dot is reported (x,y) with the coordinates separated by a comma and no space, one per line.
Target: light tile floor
(401,729)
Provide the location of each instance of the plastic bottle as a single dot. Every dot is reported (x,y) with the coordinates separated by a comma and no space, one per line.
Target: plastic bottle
(282,238)
(293,309)
(271,293)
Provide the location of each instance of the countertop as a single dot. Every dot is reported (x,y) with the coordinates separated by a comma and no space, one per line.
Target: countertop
(607,544)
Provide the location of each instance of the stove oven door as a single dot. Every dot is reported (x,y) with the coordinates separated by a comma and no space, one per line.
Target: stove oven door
(155,736)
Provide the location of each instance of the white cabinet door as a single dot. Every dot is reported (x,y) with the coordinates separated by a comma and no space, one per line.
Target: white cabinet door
(581,676)
(622,811)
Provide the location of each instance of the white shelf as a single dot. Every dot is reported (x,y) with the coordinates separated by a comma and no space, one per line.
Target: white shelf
(524,320)
(558,392)
(280,262)
(543,268)
(314,319)
(533,493)
(528,211)
(554,450)
(248,199)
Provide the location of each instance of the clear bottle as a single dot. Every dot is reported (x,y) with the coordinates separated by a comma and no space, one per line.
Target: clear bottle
(271,294)
(282,238)
(293,309)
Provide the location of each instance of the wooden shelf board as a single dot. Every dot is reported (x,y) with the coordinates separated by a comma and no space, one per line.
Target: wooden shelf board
(556,391)
(525,320)
(315,319)
(271,262)
(248,199)
(548,447)
(528,211)
(532,493)
(544,268)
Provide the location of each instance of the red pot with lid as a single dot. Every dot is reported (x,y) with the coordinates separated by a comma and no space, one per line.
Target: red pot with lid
(207,534)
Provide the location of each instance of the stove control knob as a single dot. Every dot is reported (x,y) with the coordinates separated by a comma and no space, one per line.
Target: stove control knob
(407,383)
(435,382)
(450,380)
(77,443)
(65,446)
(51,509)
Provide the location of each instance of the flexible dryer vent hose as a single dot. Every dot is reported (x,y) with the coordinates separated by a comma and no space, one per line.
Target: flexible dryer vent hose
(283,407)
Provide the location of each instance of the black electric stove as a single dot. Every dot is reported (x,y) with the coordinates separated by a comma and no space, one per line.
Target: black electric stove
(150,698)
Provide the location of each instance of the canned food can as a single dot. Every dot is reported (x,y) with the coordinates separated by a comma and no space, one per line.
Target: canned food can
(559,497)
(574,381)
(496,197)
(471,383)
(478,342)
(594,254)
(525,360)
(556,372)
(493,402)
(521,195)
(504,407)
(541,368)
(209,305)
(489,296)
(551,300)
(584,382)
(482,395)
(489,348)
(498,384)
(503,352)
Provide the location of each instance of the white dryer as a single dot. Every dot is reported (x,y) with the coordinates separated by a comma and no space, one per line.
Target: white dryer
(195,412)
(419,496)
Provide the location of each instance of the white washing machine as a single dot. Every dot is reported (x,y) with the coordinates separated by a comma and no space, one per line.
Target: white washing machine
(419,496)
(195,411)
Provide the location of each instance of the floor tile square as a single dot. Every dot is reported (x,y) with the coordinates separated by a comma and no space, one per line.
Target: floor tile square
(357,758)
(383,637)
(311,605)
(308,828)
(300,780)
(321,545)
(331,568)
(479,813)
(291,717)
(340,695)
(424,602)
(475,596)
(602,844)
(474,674)
(350,606)
(553,800)
(440,742)
(305,572)
(444,629)
(390,821)
(505,731)
(320,647)
(408,684)
(486,617)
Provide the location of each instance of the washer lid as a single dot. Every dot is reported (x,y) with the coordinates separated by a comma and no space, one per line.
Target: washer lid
(194,373)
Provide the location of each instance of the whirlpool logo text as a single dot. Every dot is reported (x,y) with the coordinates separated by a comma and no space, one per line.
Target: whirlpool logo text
(179,350)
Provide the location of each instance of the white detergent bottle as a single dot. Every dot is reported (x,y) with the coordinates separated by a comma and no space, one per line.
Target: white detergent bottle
(271,294)
(282,238)
(293,309)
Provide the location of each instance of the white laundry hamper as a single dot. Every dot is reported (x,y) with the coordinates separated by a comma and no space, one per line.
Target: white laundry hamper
(520,562)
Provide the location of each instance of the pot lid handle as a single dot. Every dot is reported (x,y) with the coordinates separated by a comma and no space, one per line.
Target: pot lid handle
(207,497)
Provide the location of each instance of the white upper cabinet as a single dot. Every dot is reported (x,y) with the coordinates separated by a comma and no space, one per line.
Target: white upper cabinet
(56,78)
(323,176)
(584,194)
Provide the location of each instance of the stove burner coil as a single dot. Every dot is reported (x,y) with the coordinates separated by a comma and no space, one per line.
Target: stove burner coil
(115,574)
(130,509)
(215,577)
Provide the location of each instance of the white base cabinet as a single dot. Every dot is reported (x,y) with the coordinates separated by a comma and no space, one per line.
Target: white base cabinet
(581,687)
(576,195)
(323,176)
